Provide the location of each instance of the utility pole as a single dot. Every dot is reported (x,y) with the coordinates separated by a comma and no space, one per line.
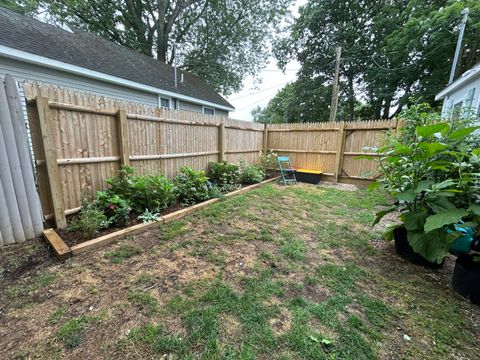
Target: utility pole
(459,45)
(175,63)
(333,106)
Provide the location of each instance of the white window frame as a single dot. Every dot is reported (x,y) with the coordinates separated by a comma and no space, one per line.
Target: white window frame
(209,108)
(160,97)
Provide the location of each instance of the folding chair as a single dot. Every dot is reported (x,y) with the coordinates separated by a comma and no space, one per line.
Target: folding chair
(287,172)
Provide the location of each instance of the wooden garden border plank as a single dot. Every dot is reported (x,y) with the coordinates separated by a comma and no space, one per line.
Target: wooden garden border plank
(105,239)
(61,249)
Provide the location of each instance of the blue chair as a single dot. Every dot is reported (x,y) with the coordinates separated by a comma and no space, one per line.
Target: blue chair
(287,172)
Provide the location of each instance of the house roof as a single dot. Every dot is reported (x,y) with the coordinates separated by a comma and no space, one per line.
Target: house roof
(89,51)
(467,76)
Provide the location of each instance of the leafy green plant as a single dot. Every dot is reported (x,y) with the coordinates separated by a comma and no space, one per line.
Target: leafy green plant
(116,209)
(250,174)
(191,186)
(432,171)
(154,192)
(268,162)
(89,221)
(148,216)
(224,175)
(122,184)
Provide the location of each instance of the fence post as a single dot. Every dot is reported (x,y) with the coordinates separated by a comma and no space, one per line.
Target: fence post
(123,138)
(55,187)
(339,151)
(221,141)
(265,138)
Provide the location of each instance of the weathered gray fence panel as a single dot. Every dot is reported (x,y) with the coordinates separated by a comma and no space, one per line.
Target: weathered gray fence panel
(20,211)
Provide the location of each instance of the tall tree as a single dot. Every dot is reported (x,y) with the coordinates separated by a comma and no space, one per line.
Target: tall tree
(219,40)
(392,50)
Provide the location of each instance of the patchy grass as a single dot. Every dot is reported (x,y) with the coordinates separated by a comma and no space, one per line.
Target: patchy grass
(122,253)
(277,273)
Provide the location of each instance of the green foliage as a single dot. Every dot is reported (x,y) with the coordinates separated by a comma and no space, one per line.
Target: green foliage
(148,216)
(89,221)
(154,192)
(218,43)
(403,51)
(268,162)
(122,183)
(432,171)
(191,186)
(285,106)
(116,209)
(224,175)
(250,174)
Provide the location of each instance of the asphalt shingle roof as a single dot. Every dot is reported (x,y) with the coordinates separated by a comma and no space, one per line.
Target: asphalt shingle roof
(92,52)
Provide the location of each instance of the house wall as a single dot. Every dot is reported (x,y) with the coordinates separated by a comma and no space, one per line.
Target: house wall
(460,96)
(24,71)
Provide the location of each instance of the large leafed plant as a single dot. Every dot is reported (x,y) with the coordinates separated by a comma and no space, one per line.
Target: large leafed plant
(431,168)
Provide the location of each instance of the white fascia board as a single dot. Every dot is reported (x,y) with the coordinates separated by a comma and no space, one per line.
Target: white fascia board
(469,75)
(77,70)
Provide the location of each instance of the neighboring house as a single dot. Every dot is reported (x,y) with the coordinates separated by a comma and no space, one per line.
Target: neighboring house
(461,98)
(33,50)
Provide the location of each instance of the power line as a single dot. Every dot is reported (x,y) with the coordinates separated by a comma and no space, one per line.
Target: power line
(259,91)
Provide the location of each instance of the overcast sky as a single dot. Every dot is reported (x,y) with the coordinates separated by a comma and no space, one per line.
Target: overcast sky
(271,81)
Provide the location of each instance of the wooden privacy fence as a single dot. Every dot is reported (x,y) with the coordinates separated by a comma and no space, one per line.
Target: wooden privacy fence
(332,147)
(80,140)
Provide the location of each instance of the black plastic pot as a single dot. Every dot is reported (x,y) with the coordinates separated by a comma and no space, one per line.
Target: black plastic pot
(466,278)
(405,250)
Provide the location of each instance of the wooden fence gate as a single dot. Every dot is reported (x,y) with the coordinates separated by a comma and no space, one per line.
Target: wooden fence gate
(20,210)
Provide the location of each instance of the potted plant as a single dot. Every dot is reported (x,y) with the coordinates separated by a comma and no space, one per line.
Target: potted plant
(430,170)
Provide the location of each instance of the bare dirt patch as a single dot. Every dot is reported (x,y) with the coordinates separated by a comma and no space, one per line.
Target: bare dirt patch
(282,323)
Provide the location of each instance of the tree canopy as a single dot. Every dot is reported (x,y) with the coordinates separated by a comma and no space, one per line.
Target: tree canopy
(221,41)
(393,52)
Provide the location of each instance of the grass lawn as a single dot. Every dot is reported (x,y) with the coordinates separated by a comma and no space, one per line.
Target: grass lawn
(277,273)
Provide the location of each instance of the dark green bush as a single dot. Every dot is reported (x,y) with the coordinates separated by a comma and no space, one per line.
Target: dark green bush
(115,208)
(224,175)
(191,186)
(153,192)
(250,174)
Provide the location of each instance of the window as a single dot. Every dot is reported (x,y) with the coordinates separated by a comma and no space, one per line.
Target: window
(208,111)
(457,109)
(165,103)
(468,109)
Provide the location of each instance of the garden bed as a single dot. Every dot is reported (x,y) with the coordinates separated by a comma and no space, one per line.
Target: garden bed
(67,243)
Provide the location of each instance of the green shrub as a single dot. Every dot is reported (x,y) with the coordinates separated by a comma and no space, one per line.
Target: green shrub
(191,186)
(224,175)
(268,162)
(116,209)
(89,221)
(250,174)
(121,185)
(151,192)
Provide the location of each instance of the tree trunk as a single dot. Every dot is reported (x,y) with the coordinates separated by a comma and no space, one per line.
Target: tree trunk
(386,108)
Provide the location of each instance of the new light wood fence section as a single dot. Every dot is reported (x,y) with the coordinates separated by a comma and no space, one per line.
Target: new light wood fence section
(332,147)
(80,140)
